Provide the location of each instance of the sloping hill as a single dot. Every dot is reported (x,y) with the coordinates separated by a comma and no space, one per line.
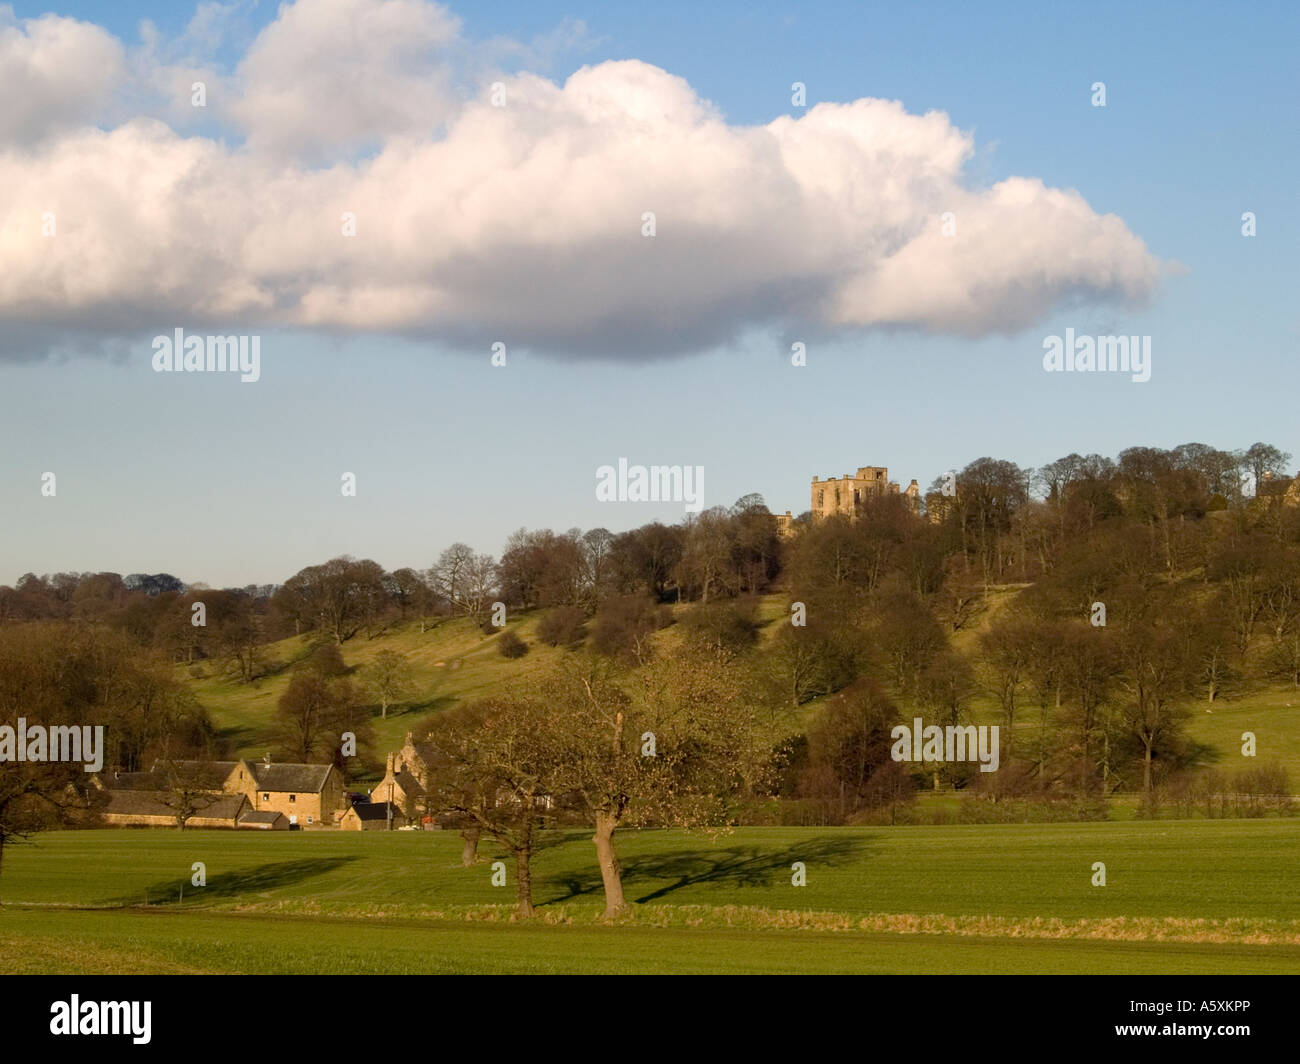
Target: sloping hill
(453,661)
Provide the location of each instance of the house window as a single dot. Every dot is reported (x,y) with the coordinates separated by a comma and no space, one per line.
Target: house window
(292,797)
(266,797)
(309,819)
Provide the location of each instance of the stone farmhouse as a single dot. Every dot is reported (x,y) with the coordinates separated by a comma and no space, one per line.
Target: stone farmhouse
(253,794)
(309,795)
(406,785)
(403,784)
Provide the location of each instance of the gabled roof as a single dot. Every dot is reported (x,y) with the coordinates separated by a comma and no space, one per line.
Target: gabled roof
(422,751)
(409,784)
(136,803)
(375,811)
(154,803)
(212,774)
(301,779)
(261,816)
(220,766)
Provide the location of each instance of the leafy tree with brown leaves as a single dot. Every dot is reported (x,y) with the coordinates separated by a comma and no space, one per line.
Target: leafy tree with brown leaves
(313,713)
(488,762)
(191,786)
(389,678)
(676,752)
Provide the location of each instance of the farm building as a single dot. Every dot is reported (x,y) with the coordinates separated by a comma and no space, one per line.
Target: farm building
(307,796)
(399,786)
(158,809)
(373,816)
(263,820)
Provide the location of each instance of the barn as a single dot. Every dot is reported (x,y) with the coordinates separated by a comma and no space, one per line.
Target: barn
(373,816)
(156,809)
(264,820)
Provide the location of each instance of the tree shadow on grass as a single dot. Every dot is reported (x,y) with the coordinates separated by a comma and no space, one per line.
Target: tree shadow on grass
(548,839)
(237,736)
(732,866)
(247,881)
(434,703)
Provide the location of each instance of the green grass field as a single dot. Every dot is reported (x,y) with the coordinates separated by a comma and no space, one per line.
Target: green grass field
(1181,896)
(140,943)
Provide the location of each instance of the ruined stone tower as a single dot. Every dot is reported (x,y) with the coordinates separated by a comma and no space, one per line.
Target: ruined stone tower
(849,493)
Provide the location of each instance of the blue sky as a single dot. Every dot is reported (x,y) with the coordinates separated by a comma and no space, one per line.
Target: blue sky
(229,483)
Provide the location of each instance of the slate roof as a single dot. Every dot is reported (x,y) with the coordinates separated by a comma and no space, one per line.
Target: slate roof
(302,779)
(224,767)
(260,816)
(211,774)
(153,803)
(408,783)
(375,811)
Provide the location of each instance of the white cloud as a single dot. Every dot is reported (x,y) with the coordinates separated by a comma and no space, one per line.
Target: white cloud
(55,73)
(331,73)
(522,223)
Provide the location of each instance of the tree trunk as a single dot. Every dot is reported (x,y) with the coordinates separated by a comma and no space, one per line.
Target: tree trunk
(469,852)
(1146,766)
(524,881)
(611,872)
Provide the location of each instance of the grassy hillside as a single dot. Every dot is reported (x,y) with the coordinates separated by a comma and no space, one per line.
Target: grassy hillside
(453,661)
(1200,896)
